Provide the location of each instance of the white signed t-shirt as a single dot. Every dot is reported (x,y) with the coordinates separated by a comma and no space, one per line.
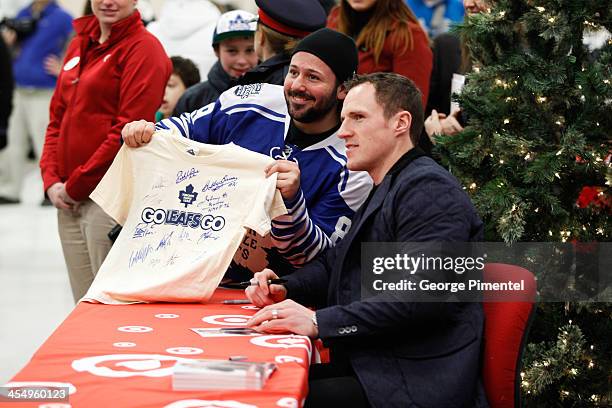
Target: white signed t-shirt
(185,207)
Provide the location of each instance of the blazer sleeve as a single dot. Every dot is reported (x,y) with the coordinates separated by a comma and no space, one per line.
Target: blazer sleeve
(308,285)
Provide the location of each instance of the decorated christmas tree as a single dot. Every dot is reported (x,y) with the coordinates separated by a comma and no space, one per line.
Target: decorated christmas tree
(535,158)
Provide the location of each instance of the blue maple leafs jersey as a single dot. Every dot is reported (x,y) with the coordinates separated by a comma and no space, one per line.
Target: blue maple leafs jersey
(255,117)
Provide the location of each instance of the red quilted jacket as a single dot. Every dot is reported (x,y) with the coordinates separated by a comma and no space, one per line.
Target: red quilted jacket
(100,89)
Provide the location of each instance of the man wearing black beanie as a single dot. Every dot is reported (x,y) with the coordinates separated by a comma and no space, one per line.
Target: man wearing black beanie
(297,125)
(334,49)
(320,64)
(320,56)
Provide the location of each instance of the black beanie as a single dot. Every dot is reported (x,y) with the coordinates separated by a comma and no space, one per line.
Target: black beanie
(335,49)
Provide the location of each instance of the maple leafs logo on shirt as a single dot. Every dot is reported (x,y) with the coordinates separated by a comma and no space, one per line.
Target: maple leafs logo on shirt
(283,154)
(187,196)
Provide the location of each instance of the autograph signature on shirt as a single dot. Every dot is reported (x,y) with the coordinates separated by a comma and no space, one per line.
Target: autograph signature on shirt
(142,230)
(214,203)
(140,255)
(207,235)
(160,183)
(165,241)
(186,175)
(214,185)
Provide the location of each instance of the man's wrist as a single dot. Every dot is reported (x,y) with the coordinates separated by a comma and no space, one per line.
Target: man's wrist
(291,202)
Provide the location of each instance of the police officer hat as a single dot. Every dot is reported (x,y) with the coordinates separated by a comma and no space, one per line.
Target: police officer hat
(295,18)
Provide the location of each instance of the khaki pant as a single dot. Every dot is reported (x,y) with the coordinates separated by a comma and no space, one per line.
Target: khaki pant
(28,120)
(85,243)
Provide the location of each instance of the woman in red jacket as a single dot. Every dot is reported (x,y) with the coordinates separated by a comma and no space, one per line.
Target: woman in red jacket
(114,72)
(389,37)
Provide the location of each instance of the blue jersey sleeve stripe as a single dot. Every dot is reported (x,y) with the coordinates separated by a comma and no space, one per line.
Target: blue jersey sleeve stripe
(306,247)
(288,225)
(337,155)
(289,231)
(281,242)
(287,237)
(298,252)
(254,107)
(304,241)
(345,179)
(290,219)
(298,255)
(295,201)
(295,235)
(299,243)
(306,235)
(161,126)
(175,123)
(300,205)
(323,245)
(314,249)
(277,223)
(342,161)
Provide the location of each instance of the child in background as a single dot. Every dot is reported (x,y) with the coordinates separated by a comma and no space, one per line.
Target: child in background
(234,46)
(184,74)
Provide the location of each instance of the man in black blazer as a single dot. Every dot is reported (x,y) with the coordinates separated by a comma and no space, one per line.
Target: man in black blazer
(384,354)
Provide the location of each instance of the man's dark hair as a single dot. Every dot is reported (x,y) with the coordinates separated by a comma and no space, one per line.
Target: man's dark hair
(395,93)
(185,69)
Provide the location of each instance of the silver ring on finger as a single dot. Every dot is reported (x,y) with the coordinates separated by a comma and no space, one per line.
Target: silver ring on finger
(274,314)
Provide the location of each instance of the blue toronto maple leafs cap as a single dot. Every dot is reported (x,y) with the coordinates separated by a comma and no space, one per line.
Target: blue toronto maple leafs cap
(235,23)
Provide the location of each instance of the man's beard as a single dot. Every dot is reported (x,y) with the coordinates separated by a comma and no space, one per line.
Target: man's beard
(314,113)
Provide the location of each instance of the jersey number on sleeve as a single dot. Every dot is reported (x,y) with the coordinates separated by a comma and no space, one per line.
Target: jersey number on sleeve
(342,227)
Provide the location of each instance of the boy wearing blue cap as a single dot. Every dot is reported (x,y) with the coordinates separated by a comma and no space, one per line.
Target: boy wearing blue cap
(233,45)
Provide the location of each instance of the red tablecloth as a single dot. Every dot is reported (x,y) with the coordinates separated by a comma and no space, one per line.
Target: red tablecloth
(122,356)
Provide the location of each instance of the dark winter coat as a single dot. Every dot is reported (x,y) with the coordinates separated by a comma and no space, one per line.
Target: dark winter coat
(202,94)
(271,71)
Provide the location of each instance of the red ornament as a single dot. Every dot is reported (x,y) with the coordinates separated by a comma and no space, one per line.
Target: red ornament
(586,196)
(594,196)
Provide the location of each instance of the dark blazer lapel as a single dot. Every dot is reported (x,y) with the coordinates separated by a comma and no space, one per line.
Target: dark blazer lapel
(360,217)
(373,205)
